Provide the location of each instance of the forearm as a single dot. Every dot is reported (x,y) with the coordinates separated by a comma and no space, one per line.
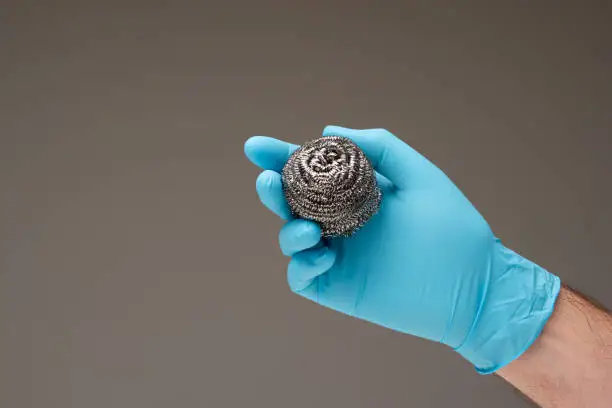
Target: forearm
(570,365)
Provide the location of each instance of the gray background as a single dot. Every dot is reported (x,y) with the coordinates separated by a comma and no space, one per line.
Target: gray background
(137,267)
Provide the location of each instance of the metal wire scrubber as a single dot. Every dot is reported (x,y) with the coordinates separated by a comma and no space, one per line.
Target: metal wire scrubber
(330,181)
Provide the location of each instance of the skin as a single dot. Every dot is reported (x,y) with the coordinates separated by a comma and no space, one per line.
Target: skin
(570,364)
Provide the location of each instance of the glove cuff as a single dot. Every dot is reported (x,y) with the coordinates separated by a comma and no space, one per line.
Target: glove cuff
(519,300)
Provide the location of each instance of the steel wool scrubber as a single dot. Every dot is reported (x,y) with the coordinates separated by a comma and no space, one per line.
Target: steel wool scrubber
(331,181)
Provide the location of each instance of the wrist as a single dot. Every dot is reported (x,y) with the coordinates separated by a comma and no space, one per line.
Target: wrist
(518,300)
(570,364)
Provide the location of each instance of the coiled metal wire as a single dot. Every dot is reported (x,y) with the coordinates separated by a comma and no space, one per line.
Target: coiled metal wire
(330,181)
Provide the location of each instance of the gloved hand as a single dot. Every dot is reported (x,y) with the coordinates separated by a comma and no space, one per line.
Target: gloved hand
(427,264)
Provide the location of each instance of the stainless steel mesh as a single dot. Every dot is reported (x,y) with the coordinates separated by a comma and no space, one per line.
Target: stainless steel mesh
(330,181)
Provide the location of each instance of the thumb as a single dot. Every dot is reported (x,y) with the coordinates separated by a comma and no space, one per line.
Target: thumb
(389,155)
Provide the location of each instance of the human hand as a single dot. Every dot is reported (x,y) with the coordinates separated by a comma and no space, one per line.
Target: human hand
(426,264)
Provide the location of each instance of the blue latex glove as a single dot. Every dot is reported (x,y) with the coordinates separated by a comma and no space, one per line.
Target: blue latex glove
(427,264)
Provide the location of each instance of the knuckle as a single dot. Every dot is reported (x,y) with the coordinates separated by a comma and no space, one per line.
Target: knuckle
(382,132)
